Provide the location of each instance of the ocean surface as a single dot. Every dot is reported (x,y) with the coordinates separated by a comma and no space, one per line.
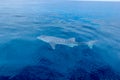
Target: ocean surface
(24,57)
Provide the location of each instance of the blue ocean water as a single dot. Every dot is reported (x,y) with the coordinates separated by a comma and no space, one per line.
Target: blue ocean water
(24,57)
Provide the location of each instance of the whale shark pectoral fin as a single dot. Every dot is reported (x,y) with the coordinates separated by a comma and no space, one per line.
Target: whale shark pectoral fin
(72,39)
(52,45)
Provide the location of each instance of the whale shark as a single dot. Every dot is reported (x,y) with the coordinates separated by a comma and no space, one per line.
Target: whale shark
(71,42)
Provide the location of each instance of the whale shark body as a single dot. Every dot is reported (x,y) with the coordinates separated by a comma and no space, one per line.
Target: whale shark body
(53,41)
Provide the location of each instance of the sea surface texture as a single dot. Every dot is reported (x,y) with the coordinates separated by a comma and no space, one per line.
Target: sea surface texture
(24,57)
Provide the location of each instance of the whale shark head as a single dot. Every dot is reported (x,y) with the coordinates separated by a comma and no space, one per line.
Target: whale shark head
(43,38)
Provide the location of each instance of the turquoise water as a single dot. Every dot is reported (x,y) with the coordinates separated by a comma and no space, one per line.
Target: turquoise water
(24,57)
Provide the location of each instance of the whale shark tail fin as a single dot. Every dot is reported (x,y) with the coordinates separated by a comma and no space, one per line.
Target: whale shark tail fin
(91,43)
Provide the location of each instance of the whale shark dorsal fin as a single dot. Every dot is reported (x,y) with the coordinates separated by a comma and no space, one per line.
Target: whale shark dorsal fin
(52,45)
(72,39)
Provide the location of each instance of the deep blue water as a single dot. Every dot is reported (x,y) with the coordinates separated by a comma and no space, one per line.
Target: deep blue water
(24,57)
